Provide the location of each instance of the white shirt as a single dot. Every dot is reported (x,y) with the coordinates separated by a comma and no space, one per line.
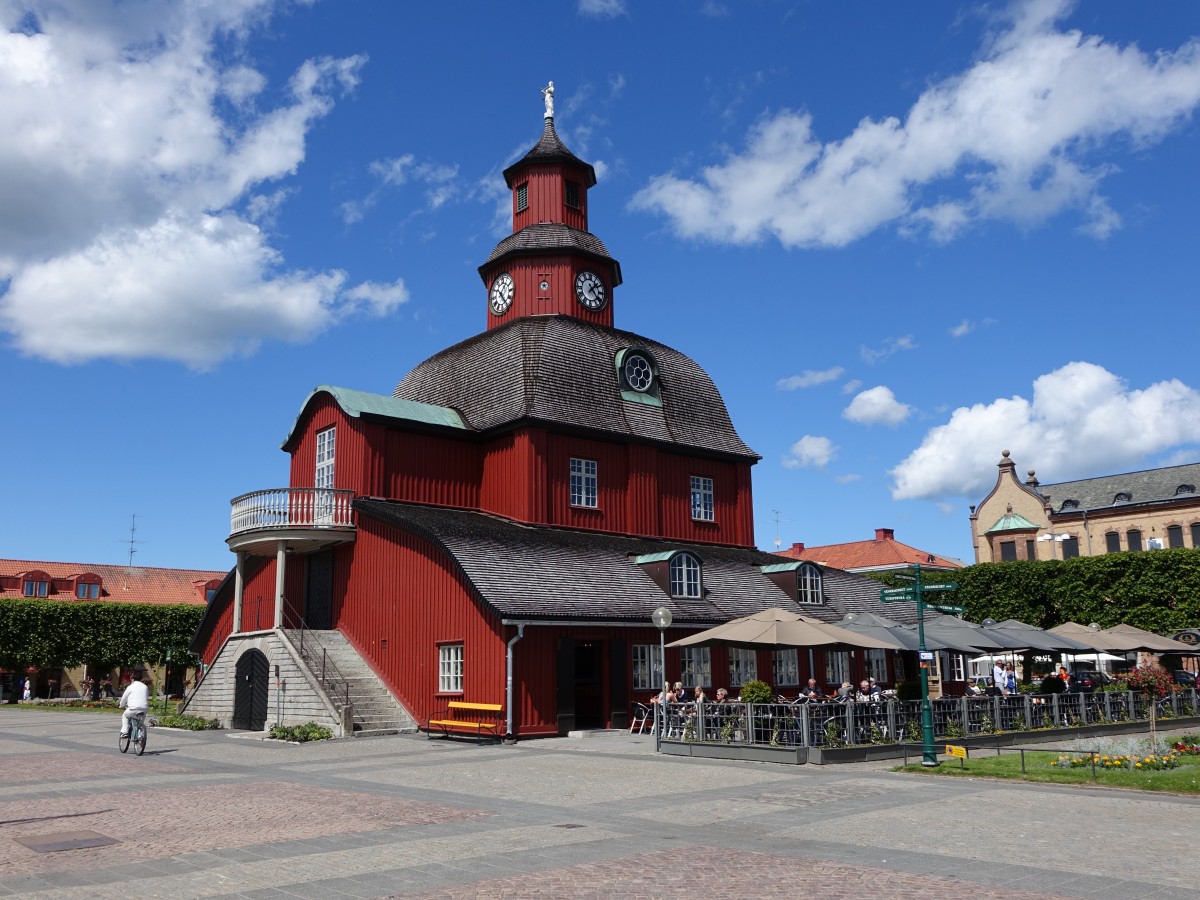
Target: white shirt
(136,696)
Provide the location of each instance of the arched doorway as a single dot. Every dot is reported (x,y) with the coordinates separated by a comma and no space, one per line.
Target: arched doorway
(250,691)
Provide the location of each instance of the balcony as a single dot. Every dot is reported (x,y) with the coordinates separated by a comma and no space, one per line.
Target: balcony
(303,519)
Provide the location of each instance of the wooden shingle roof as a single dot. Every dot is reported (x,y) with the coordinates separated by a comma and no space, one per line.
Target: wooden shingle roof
(559,370)
(530,573)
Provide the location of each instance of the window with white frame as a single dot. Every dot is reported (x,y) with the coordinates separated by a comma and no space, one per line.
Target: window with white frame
(86,591)
(958,667)
(685,576)
(695,667)
(702,499)
(935,664)
(743,665)
(583,483)
(785,668)
(450,668)
(323,477)
(837,667)
(810,584)
(877,665)
(647,667)
(36,589)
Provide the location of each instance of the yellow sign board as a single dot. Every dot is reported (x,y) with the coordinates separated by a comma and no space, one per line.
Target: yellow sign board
(960,752)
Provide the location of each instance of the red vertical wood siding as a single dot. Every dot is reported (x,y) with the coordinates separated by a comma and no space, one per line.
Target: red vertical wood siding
(546,197)
(559,272)
(430,469)
(220,628)
(641,499)
(258,596)
(675,490)
(402,598)
(352,452)
(612,474)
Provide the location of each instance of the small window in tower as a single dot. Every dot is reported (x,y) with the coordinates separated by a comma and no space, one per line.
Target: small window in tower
(572,195)
(522,197)
(584,483)
(703,507)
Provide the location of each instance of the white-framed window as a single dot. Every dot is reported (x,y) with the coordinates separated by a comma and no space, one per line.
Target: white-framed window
(935,665)
(743,665)
(695,667)
(958,667)
(898,666)
(87,591)
(450,668)
(785,668)
(877,665)
(583,483)
(702,499)
(837,667)
(685,576)
(323,477)
(36,589)
(647,667)
(810,584)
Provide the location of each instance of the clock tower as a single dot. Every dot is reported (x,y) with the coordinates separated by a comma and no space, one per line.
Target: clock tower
(551,264)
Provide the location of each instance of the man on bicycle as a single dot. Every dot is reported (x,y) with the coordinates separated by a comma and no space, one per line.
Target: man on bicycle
(135,701)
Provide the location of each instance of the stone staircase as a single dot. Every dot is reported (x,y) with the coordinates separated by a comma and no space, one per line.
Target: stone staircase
(345,676)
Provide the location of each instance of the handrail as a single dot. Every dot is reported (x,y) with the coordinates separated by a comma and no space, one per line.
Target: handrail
(291,508)
(329,677)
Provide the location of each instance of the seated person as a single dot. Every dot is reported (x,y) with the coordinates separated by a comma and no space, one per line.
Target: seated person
(698,695)
(876,689)
(722,695)
(845,692)
(973,689)
(863,694)
(811,691)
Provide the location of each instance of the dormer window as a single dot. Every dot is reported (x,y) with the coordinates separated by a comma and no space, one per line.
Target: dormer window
(637,374)
(1070,504)
(685,576)
(572,194)
(1123,497)
(35,588)
(808,582)
(85,591)
(1185,489)
(522,197)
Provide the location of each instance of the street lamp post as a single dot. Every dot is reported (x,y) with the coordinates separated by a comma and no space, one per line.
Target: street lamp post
(661,618)
(1055,540)
(166,679)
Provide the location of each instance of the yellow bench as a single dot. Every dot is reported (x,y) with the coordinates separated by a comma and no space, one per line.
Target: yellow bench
(468,718)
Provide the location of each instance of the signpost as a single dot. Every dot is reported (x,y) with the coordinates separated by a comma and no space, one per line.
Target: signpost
(909,594)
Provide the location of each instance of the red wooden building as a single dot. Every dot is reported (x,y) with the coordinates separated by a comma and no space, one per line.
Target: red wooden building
(502,526)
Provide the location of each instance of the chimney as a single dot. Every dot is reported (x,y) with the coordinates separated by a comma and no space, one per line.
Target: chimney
(885,534)
(797,547)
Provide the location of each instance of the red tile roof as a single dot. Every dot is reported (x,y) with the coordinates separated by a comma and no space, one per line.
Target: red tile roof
(885,552)
(122,584)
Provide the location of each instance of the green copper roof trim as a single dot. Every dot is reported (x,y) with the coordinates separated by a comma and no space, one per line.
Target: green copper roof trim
(783,567)
(654,557)
(1012,522)
(356,403)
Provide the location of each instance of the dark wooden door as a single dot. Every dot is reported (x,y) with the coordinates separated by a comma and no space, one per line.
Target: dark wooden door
(250,691)
(566,685)
(318,591)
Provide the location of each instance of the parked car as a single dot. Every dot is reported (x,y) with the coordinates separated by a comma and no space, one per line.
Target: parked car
(1186,678)
(1089,679)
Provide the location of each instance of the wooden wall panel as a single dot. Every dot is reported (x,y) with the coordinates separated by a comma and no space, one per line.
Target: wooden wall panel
(352,453)
(731,505)
(612,476)
(430,469)
(547,202)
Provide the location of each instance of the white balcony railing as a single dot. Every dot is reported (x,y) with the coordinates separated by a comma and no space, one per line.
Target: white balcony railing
(287,508)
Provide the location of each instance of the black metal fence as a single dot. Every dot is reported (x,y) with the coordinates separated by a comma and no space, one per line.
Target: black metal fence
(831,724)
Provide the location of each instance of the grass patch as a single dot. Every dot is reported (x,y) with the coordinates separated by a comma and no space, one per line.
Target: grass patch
(1053,767)
(92,706)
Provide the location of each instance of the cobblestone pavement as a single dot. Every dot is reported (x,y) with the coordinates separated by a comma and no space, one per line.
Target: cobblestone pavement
(217,815)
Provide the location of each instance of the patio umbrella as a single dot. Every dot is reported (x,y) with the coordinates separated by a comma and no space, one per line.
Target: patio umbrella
(956,634)
(877,626)
(783,628)
(1130,637)
(1094,638)
(1048,640)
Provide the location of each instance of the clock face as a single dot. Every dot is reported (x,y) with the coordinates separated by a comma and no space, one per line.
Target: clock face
(501,296)
(589,290)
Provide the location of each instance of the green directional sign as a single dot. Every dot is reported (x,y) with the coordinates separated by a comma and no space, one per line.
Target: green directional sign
(947,609)
(903,576)
(895,595)
(949,586)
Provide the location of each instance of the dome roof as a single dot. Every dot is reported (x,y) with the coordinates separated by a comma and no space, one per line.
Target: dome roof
(549,149)
(563,371)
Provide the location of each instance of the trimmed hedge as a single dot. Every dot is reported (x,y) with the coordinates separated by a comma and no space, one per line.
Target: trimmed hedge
(1158,590)
(48,633)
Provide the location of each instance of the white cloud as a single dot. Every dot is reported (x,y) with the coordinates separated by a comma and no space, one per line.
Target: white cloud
(810,450)
(848,478)
(809,378)
(379,299)
(851,386)
(963,328)
(890,346)
(131,188)
(440,183)
(877,406)
(1017,137)
(1082,421)
(602,9)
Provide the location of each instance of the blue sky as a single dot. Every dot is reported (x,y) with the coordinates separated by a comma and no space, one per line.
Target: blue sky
(901,237)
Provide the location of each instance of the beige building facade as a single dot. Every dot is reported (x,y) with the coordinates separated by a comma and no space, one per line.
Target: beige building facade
(1147,510)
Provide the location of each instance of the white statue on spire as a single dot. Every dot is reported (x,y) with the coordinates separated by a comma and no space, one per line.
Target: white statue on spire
(548,93)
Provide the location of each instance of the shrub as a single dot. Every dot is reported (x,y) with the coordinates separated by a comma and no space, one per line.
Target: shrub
(1150,680)
(908,690)
(190,723)
(757,692)
(309,731)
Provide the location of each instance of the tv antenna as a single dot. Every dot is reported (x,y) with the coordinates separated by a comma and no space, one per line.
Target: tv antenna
(132,538)
(777,520)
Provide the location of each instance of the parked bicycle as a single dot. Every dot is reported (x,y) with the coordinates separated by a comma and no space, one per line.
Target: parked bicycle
(136,736)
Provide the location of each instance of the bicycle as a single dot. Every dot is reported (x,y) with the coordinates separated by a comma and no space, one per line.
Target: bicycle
(136,735)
